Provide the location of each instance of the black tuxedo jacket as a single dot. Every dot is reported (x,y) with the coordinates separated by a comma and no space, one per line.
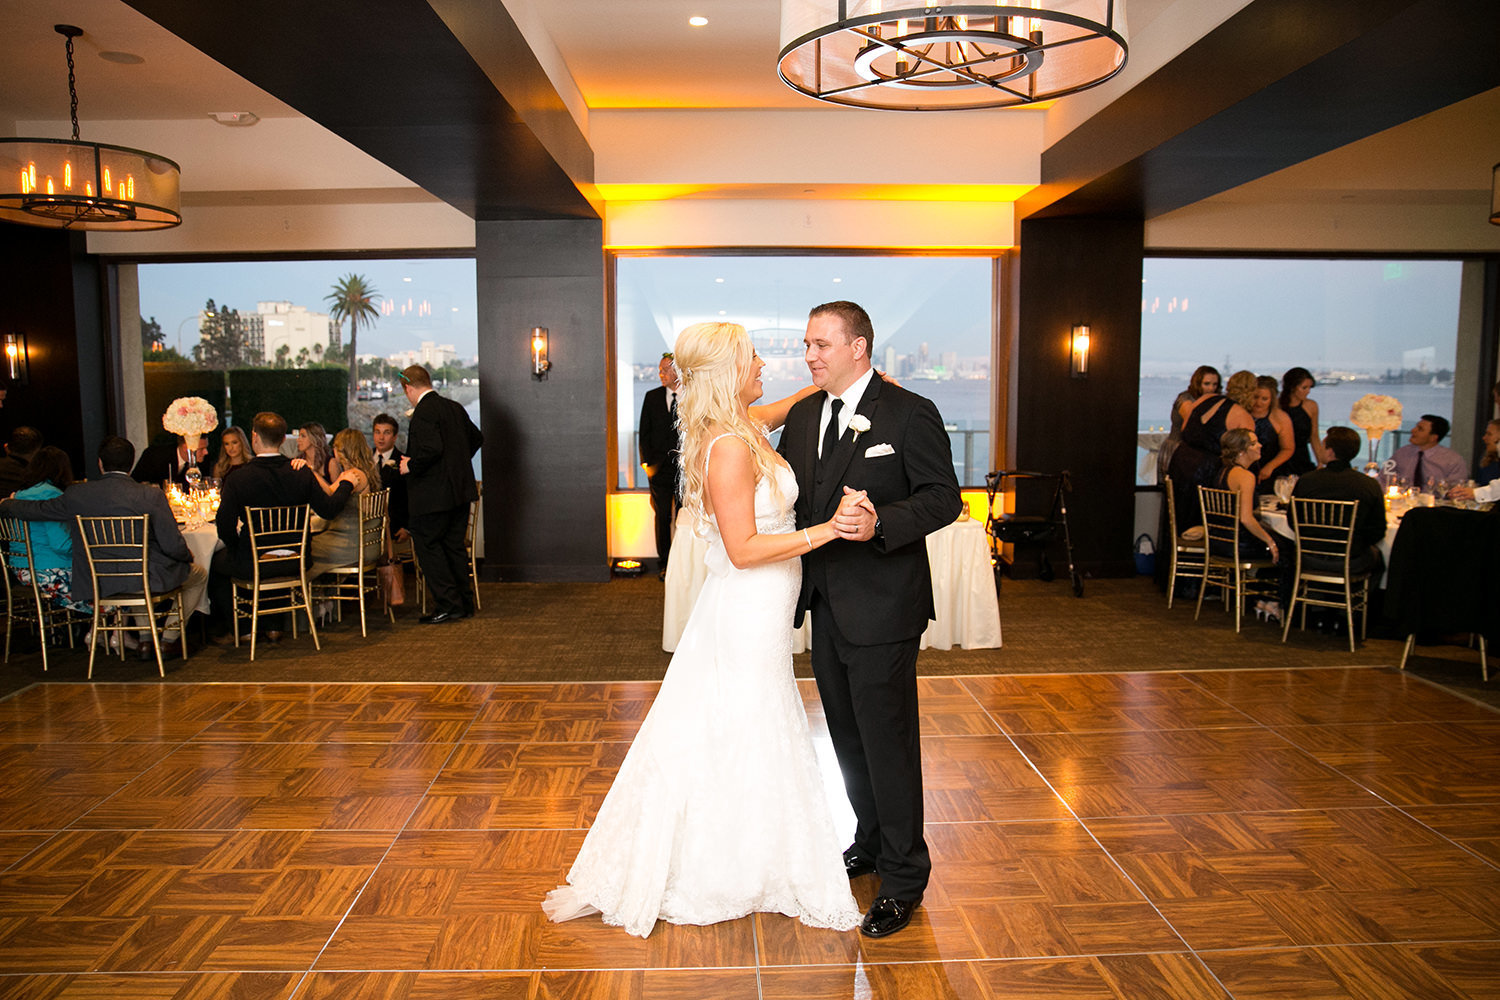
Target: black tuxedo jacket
(881,590)
(440,442)
(658,432)
(391,479)
(158,464)
(115,494)
(269,481)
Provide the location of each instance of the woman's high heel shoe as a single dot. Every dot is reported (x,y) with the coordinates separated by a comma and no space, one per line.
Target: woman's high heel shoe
(1273,612)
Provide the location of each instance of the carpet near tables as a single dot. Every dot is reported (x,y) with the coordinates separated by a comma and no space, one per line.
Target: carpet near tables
(546,632)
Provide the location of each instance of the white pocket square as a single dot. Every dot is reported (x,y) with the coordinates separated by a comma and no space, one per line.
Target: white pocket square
(877,450)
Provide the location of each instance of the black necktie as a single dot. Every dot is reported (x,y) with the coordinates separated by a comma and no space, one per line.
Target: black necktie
(831,434)
(672,405)
(1416,475)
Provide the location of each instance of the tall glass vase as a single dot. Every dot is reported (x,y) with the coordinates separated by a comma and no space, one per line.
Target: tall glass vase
(1372,467)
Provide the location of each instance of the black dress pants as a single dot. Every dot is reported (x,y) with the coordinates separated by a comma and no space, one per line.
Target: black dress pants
(664,503)
(437,538)
(869,696)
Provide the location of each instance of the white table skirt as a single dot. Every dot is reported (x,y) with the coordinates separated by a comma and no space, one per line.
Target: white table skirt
(201,542)
(963,588)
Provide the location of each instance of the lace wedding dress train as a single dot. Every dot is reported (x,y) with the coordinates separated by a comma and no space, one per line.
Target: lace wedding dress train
(719,808)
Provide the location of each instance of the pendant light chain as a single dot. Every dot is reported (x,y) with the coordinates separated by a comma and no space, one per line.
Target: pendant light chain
(72,89)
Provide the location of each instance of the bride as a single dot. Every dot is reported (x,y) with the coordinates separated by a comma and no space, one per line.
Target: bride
(719,809)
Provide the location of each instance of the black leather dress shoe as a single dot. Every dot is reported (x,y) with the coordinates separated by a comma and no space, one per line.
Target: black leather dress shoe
(855,866)
(439,618)
(886,915)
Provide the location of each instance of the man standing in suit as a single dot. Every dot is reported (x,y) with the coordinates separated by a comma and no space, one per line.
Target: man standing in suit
(440,444)
(268,480)
(169,564)
(388,461)
(658,436)
(167,459)
(870,594)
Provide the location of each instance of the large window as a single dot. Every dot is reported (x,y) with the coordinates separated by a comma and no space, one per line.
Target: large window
(1360,326)
(931,317)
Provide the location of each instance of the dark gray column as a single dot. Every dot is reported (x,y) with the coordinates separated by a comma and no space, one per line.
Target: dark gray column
(546,466)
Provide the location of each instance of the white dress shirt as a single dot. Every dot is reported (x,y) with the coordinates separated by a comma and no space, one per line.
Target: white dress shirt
(851,397)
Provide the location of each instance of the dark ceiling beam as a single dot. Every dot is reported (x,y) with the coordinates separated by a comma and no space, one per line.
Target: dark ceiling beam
(1278,83)
(390,77)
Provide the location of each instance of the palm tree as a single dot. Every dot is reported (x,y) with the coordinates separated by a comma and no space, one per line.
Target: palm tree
(353,300)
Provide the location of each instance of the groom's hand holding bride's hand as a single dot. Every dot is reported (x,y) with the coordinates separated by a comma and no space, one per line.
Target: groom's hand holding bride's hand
(855,520)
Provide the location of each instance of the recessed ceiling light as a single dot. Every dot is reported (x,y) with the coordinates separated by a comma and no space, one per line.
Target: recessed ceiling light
(718,281)
(405,279)
(837,280)
(697,22)
(234,117)
(721,312)
(123,58)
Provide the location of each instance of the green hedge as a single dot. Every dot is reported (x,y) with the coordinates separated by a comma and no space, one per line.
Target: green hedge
(301,395)
(165,383)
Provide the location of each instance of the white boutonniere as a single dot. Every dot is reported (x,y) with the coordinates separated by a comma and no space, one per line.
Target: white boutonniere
(859,423)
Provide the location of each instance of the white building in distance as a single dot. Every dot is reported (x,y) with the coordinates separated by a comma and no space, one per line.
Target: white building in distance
(276,323)
(430,355)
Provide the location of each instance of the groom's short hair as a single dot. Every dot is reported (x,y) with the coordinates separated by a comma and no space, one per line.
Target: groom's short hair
(855,320)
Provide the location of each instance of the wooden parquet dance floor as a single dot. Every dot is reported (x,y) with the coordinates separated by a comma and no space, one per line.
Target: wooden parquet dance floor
(1317,833)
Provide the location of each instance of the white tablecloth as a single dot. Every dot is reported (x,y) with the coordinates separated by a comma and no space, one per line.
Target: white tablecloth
(963,588)
(1150,442)
(201,542)
(1276,521)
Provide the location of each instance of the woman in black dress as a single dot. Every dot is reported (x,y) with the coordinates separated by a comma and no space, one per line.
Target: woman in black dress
(1307,443)
(1196,460)
(1274,430)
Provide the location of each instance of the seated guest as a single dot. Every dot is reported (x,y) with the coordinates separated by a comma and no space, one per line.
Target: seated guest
(1338,480)
(267,481)
(314,449)
(388,458)
(24,442)
(1489,465)
(49,473)
(338,544)
(1239,449)
(1424,462)
(166,459)
(234,452)
(169,564)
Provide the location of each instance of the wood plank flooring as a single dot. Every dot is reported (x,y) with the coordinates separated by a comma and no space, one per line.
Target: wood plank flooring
(1315,833)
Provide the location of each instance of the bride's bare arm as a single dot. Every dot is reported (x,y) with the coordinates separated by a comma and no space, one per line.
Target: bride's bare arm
(731,496)
(773,415)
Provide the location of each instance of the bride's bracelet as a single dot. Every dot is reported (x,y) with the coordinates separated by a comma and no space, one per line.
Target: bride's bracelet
(808,538)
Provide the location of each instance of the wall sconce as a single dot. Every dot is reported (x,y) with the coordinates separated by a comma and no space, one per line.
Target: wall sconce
(15,357)
(1080,351)
(539,363)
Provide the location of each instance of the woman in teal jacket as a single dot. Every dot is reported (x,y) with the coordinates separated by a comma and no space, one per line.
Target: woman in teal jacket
(49,473)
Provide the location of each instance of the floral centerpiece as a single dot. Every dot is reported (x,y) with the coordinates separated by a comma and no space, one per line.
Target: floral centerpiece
(1375,414)
(192,417)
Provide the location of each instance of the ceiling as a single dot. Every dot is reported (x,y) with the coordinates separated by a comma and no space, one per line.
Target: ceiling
(603,56)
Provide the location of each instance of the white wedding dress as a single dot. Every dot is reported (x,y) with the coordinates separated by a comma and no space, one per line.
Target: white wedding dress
(719,809)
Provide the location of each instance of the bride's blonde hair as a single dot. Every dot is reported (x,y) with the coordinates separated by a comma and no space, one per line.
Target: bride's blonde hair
(712,360)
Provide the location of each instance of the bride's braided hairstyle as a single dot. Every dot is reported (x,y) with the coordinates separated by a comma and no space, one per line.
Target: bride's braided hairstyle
(712,360)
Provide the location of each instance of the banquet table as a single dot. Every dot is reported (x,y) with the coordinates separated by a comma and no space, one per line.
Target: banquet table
(1442,573)
(963,588)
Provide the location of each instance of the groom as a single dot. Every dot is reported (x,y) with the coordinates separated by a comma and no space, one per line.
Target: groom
(870,593)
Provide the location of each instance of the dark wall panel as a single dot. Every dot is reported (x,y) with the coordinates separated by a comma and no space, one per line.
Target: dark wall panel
(52,294)
(1082,270)
(545,463)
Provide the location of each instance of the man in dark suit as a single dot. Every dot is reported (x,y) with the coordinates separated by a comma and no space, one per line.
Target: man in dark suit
(169,564)
(440,444)
(388,461)
(870,593)
(166,458)
(23,443)
(1338,480)
(268,480)
(658,437)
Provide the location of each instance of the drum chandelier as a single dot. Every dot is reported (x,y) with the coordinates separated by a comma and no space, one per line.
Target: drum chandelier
(72,184)
(900,55)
